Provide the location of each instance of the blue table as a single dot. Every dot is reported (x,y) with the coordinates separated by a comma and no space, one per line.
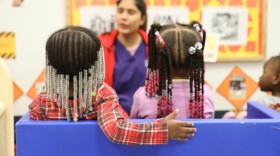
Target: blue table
(215,137)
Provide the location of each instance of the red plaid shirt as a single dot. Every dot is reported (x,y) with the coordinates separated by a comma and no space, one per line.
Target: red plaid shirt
(110,116)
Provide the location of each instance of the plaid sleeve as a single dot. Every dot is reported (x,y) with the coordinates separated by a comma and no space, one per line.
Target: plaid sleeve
(111,119)
(37,109)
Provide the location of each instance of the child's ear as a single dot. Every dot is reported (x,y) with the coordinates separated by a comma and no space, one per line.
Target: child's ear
(276,80)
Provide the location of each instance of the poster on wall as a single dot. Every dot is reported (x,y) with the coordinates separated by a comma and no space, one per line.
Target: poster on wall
(211,48)
(167,15)
(241,25)
(7,45)
(237,87)
(230,23)
(99,19)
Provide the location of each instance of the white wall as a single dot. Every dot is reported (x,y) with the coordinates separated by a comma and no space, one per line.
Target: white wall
(32,23)
(35,20)
(215,73)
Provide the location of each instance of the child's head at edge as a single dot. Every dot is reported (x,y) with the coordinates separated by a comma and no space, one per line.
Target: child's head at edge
(270,79)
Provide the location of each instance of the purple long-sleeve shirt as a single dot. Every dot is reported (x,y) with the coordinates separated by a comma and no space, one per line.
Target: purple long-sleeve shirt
(144,107)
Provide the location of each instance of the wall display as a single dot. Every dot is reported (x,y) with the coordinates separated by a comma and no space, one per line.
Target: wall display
(100,19)
(167,15)
(240,24)
(237,88)
(211,48)
(7,45)
(230,23)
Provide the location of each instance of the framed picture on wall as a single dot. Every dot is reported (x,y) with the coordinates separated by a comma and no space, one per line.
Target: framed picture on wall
(229,23)
(167,15)
(240,24)
(241,27)
(237,87)
(94,18)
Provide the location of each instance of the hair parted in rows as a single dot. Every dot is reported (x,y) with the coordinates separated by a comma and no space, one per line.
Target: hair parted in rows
(176,51)
(74,58)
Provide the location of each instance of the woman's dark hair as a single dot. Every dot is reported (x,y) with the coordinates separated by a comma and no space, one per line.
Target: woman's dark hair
(141,5)
(72,50)
(175,54)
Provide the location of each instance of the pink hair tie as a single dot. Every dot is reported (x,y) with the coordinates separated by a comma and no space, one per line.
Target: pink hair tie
(160,38)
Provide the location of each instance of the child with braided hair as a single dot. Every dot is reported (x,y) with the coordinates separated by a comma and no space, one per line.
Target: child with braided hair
(175,74)
(75,91)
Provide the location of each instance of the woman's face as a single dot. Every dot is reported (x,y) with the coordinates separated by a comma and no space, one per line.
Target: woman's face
(128,17)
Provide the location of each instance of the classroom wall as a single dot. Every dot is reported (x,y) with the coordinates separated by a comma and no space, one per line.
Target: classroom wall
(35,20)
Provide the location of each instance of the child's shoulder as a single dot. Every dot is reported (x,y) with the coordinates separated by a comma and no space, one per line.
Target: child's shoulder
(140,91)
(207,86)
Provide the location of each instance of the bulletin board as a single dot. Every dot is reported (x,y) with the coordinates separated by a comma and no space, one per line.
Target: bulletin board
(241,24)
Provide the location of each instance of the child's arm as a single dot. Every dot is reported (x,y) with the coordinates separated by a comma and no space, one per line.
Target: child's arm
(179,130)
(112,122)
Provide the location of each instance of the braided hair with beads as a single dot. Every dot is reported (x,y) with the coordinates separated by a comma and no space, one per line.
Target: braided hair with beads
(176,50)
(74,61)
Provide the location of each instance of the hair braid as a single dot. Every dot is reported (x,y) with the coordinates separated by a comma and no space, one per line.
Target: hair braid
(151,46)
(202,85)
(161,75)
(71,53)
(61,56)
(170,85)
(173,51)
(191,77)
(151,83)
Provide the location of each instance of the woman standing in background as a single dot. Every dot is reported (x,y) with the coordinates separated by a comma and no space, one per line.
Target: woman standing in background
(125,50)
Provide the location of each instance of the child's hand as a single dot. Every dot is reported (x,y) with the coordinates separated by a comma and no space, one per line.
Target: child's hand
(179,130)
(275,106)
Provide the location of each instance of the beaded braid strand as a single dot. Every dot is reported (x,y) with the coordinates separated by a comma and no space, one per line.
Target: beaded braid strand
(152,73)
(84,81)
(197,72)
(163,79)
(165,82)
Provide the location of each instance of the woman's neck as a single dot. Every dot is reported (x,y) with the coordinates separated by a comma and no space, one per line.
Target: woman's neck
(130,40)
